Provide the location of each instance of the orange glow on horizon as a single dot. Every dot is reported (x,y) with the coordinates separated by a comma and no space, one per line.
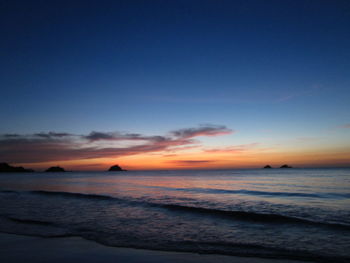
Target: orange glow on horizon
(253,158)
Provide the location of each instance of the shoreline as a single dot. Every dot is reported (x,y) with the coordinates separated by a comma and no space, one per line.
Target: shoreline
(17,248)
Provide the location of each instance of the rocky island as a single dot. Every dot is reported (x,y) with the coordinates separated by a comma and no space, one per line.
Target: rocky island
(267,167)
(116,168)
(286,166)
(6,168)
(55,169)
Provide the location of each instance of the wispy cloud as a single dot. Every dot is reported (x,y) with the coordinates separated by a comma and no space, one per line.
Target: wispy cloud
(247,97)
(52,146)
(296,94)
(189,162)
(344,126)
(233,149)
(307,139)
(51,135)
(10,135)
(204,130)
(117,136)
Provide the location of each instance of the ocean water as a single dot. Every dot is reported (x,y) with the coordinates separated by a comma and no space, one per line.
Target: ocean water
(276,213)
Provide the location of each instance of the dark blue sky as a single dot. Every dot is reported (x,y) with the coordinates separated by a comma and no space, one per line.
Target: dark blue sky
(154,66)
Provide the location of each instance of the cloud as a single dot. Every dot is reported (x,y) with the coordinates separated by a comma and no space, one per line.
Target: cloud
(50,135)
(170,155)
(204,130)
(11,135)
(345,126)
(189,162)
(306,139)
(233,149)
(52,146)
(42,135)
(116,136)
(96,136)
(314,89)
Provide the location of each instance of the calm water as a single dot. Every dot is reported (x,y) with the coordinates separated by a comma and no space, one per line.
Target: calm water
(291,213)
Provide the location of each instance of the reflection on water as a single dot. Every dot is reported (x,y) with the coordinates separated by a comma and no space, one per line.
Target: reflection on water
(297,213)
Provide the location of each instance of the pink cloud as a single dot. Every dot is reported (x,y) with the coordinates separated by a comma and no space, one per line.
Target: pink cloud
(345,126)
(189,162)
(233,149)
(52,146)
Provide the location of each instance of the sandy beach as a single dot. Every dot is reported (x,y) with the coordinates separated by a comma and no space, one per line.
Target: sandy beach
(17,248)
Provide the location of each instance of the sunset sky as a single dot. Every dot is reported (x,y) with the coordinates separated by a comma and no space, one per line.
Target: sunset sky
(175,84)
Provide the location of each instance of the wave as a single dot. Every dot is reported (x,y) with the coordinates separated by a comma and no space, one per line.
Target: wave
(252,216)
(255,250)
(218,248)
(261,193)
(29,221)
(201,190)
(64,194)
(235,214)
(201,247)
(75,195)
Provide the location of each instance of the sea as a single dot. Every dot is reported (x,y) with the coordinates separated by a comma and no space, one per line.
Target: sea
(301,214)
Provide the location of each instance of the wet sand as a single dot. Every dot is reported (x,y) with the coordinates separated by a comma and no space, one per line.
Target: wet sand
(17,248)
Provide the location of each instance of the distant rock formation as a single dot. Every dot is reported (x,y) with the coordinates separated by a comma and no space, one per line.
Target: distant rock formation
(286,166)
(267,167)
(6,168)
(55,169)
(116,168)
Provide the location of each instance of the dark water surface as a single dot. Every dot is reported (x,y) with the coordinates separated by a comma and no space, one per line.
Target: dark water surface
(292,213)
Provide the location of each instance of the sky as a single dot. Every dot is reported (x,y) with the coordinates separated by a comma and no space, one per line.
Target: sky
(175,84)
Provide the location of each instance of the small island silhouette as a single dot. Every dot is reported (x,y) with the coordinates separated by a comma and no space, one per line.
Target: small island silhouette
(286,166)
(115,168)
(6,168)
(283,166)
(55,169)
